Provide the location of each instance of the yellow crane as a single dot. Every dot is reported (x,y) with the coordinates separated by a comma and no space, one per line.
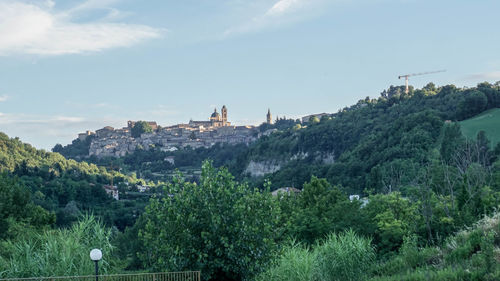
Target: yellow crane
(416,74)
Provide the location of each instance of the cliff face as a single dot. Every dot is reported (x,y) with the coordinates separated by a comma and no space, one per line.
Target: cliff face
(261,168)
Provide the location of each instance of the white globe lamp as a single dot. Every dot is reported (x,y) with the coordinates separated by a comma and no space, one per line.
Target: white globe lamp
(96,256)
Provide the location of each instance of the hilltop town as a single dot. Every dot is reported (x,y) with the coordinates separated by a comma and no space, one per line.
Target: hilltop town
(109,141)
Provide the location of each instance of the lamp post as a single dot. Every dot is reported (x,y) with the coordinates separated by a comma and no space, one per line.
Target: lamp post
(96,256)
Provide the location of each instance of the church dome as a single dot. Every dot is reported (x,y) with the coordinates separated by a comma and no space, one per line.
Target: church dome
(215,114)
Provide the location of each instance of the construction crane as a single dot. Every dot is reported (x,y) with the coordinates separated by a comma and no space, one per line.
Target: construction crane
(416,74)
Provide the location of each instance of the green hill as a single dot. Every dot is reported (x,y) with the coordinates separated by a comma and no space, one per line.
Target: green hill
(488,121)
(375,144)
(65,187)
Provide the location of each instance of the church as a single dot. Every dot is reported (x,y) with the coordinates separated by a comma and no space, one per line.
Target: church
(216,120)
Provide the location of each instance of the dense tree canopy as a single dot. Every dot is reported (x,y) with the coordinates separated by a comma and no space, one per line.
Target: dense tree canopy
(220,227)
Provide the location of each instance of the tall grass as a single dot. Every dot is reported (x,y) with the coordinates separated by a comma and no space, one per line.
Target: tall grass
(58,252)
(296,264)
(344,256)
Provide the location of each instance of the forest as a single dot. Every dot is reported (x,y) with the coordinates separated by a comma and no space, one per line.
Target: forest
(426,207)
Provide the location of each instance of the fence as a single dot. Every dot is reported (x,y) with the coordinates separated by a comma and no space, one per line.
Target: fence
(162,276)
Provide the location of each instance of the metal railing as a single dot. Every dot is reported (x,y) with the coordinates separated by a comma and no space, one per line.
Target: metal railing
(161,276)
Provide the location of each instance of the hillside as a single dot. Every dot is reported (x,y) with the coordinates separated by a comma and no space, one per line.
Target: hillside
(65,187)
(372,146)
(471,254)
(488,121)
(376,145)
(418,179)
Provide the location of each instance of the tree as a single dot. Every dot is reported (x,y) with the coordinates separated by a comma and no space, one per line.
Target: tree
(392,217)
(483,149)
(220,227)
(452,141)
(322,209)
(474,103)
(314,119)
(16,209)
(141,127)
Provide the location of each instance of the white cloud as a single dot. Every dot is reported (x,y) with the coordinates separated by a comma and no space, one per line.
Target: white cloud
(285,6)
(4,98)
(493,75)
(92,5)
(38,29)
(44,131)
(281,13)
(16,119)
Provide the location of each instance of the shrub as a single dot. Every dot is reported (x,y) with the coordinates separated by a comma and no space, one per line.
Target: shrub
(409,258)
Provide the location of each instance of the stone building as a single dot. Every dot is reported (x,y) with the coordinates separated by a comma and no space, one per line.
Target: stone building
(215,120)
(83,136)
(112,191)
(117,143)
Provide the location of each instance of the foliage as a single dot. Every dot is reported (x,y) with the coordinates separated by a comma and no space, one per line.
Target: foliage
(65,187)
(321,209)
(471,254)
(344,256)
(140,127)
(391,218)
(297,263)
(17,211)
(63,252)
(486,121)
(220,227)
(78,148)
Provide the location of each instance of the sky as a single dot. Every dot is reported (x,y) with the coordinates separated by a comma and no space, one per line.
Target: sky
(75,65)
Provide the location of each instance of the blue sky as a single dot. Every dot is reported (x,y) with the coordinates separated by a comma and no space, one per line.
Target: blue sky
(69,66)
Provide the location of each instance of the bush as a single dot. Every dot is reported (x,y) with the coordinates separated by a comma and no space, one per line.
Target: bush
(409,258)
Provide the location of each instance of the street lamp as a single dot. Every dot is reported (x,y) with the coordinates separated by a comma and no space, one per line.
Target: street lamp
(96,256)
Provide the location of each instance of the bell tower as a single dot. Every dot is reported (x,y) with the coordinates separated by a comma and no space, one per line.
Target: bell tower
(224,115)
(269,117)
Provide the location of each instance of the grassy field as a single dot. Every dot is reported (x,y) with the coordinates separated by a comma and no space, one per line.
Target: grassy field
(488,121)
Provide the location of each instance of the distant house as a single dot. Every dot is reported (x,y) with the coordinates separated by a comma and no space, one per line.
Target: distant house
(268,132)
(143,188)
(170,159)
(353,197)
(169,149)
(285,190)
(83,136)
(105,132)
(363,201)
(112,191)
(306,119)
